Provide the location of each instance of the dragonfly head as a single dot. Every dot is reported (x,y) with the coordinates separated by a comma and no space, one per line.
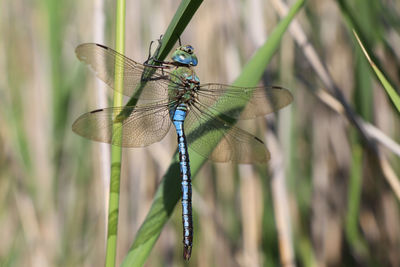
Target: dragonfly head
(184,55)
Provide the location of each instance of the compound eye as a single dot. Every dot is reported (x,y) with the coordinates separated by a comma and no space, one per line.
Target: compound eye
(189,49)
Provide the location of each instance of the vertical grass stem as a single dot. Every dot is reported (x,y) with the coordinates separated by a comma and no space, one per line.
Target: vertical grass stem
(113,209)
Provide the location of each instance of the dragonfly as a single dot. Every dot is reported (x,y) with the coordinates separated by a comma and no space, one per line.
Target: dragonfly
(171,93)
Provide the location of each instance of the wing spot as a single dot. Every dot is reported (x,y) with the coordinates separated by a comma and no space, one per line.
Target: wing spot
(97,110)
(258,139)
(102,46)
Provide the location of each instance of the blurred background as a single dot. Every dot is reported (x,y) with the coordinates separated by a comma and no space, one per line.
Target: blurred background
(327,198)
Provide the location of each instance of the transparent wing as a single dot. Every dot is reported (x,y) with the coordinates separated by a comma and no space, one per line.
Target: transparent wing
(260,100)
(139,126)
(103,61)
(206,132)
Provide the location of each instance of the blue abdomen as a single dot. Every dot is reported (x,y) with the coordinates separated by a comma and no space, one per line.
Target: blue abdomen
(178,116)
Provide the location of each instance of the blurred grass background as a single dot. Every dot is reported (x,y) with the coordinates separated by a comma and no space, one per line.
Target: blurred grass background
(343,209)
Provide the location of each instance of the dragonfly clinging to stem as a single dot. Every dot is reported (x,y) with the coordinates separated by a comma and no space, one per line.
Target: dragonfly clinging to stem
(170,92)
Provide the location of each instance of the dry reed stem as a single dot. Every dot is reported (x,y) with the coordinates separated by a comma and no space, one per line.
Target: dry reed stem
(251,215)
(281,202)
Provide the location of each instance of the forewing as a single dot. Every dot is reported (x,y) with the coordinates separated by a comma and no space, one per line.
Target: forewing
(258,101)
(206,132)
(138,126)
(104,61)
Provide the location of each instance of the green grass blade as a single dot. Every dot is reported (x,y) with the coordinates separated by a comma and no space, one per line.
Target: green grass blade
(363,95)
(354,198)
(386,84)
(168,192)
(181,19)
(116,152)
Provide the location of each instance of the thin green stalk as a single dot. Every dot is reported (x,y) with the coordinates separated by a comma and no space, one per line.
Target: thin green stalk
(113,207)
(354,198)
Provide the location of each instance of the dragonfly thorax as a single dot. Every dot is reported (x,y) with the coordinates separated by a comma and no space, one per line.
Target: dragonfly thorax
(186,85)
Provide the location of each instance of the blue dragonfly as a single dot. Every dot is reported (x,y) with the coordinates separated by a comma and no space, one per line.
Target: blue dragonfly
(171,92)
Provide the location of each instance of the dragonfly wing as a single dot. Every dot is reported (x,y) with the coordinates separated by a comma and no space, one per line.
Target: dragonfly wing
(104,61)
(207,134)
(258,101)
(138,126)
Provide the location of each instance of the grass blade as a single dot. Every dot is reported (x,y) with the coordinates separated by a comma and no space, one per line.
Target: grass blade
(116,152)
(386,84)
(181,19)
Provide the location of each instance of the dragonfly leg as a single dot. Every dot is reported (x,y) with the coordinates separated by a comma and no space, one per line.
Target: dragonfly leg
(164,64)
(153,57)
(151,44)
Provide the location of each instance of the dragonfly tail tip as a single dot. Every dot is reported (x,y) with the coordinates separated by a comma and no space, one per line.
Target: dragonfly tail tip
(187,251)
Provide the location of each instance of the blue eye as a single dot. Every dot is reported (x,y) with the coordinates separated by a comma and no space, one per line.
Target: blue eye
(188,49)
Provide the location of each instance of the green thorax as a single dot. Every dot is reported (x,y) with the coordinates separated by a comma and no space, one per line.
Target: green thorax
(183,86)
